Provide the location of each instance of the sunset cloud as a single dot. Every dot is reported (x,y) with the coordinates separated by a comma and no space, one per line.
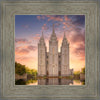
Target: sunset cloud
(30,47)
(54,18)
(24,58)
(41,17)
(36,37)
(76,37)
(66,18)
(44,27)
(21,51)
(21,41)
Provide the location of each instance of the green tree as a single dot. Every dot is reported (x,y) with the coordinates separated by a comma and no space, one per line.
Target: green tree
(20,69)
(31,71)
(83,70)
(77,73)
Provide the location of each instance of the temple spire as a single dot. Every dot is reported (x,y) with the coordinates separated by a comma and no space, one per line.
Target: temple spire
(64,38)
(53,29)
(42,35)
(41,41)
(64,42)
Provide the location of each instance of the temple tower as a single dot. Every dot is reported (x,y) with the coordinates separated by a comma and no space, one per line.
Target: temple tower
(41,57)
(53,55)
(65,57)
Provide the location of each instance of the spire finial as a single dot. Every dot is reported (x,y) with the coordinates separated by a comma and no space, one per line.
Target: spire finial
(42,33)
(53,28)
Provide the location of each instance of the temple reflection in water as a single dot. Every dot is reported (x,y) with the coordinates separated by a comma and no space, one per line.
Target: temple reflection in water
(54,81)
(49,81)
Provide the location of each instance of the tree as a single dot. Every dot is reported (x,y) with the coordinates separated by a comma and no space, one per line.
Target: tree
(83,70)
(77,73)
(20,69)
(31,71)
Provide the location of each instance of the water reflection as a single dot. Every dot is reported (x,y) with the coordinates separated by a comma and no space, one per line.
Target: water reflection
(50,81)
(54,81)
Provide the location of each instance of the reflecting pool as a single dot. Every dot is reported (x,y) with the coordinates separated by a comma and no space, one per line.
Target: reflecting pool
(49,81)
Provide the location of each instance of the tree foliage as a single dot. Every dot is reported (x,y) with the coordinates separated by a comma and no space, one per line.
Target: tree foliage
(22,69)
(31,71)
(83,70)
(76,72)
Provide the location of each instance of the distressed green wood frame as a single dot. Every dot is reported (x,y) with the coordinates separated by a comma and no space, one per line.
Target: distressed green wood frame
(65,7)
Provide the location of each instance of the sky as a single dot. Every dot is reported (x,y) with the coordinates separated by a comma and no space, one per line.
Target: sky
(28,30)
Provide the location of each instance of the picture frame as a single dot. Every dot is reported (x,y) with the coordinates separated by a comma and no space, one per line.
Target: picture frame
(89,91)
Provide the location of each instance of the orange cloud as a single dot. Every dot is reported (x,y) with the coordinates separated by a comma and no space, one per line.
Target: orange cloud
(21,41)
(30,47)
(40,17)
(55,18)
(23,50)
(66,18)
(44,27)
(36,37)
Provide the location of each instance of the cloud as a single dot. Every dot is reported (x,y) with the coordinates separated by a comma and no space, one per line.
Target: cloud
(80,51)
(23,50)
(66,24)
(37,34)
(66,18)
(30,47)
(28,58)
(23,41)
(36,37)
(57,24)
(77,38)
(44,27)
(54,18)
(41,17)
(80,37)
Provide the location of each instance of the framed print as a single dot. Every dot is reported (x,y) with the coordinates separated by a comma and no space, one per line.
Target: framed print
(50,50)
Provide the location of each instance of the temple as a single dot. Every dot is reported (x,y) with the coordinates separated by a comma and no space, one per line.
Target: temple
(53,63)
